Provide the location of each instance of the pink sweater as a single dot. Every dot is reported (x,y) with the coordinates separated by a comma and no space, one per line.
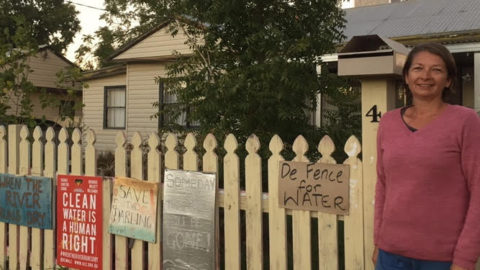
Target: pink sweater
(427,202)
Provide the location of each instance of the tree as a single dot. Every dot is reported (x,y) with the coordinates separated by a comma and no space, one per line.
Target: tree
(126,20)
(26,26)
(253,68)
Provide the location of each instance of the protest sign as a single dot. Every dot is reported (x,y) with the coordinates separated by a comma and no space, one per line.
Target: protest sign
(189,220)
(134,209)
(79,221)
(26,201)
(314,186)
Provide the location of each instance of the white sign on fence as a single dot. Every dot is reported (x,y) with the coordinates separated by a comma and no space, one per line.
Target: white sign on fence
(189,220)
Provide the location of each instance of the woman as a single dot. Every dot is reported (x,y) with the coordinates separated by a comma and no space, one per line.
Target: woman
(427,202)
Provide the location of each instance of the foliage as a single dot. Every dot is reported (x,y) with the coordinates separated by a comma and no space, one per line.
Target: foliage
(342,117)
(26,27)
(106,164)
(126,20)
(28,24)
(253,67)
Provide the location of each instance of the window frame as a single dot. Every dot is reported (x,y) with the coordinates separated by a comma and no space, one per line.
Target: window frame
(162,121)
(106,89)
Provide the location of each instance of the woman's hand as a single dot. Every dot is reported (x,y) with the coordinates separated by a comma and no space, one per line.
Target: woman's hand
(456,267)
(375,256)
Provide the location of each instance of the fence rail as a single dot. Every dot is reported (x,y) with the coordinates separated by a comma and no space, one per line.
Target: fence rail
(256,232)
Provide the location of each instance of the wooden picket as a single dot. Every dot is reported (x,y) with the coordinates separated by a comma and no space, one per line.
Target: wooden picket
(327,224)
(50,171)
(3,169)
(37,168)
(136,165)
(121,242)
(302,257)
(154,166)
(13,160)
(253,213)
(231,203)
(277,216)
(24,163)
(31,248)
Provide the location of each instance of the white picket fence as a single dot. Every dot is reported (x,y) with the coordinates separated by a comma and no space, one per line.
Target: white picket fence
(25,247)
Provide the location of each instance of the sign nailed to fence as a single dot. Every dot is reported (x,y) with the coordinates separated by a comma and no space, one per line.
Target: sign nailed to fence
(314,186)
(134,209)
(189,220)
(79,221)
(26,200)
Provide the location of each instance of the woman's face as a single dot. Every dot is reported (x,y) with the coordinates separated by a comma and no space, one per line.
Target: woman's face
(427,76)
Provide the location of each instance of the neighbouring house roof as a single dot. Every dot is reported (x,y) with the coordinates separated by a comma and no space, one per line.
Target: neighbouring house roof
(413,21)
(61,56)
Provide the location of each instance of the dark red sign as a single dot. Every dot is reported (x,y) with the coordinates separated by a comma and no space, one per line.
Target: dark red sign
(79,221)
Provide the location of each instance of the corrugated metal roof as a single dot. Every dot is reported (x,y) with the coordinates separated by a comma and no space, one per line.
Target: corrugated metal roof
(414,17)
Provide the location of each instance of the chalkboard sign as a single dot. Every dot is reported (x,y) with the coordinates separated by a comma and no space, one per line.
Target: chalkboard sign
(79,221)
(26,200)
(134,209)
(314,186)
(189,220)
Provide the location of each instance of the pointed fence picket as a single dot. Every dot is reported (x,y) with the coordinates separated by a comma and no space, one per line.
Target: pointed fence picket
(253,211)
(3,169)
(142,158)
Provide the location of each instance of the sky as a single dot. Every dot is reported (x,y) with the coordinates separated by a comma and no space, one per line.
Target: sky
(89,16)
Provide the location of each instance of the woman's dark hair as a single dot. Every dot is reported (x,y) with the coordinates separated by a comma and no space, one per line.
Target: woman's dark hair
(442,52)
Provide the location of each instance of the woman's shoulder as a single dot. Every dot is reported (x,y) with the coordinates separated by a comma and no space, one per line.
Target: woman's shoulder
(462,112)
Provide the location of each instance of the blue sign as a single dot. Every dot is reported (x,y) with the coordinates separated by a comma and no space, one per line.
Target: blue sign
(26,200)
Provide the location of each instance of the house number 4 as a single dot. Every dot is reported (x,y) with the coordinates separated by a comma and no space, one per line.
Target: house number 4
(374,114)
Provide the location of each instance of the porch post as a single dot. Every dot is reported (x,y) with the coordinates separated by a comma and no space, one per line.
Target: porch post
(376,62)
(476,81)
(378,97)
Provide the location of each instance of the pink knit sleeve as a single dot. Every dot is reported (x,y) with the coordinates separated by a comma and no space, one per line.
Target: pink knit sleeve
(468,245)
(379,189)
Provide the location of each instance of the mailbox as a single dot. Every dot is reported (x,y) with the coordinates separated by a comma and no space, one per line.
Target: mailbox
(371,56)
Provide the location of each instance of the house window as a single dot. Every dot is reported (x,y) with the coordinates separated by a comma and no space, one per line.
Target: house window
(171,113)
(114,108)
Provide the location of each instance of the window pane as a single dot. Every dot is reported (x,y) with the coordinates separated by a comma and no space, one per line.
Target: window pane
(116,118)
(169,98)
(116,97)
